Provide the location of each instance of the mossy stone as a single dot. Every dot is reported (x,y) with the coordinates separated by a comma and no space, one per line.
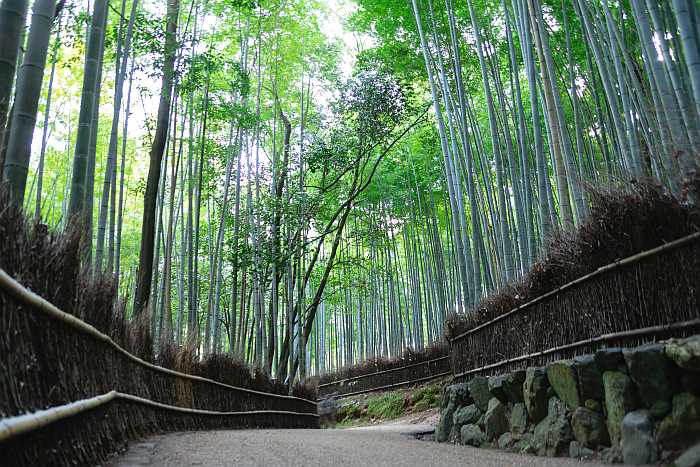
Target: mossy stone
(444,426)
(466,416)
(458,394)
(685,352)
(562,377)
(518,418)
(593,405)
(589,427)
(496,388)
(590,381)
(690,381)
(681,427)
(619,399)
(535,393)
(479,390)
(580,452)
(553,434)
(505,441)
(637,442)
(649,369)
(471,435)
(690,458)
(524,445)
(496,419)
(513,386)
(610,359)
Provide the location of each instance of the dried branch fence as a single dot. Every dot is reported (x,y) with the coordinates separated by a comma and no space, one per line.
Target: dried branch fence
(651,295)
(387,379)
(70,395)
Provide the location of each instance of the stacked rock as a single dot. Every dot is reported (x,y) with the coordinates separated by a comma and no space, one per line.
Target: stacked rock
(639,405)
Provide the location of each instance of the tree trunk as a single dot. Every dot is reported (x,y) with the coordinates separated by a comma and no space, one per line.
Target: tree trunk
(45,131)
(95,47)
(12,17)
(121,67)
(28,91)
(148,225)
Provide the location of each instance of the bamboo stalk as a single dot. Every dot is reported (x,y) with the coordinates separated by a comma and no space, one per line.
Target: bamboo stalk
(20,293)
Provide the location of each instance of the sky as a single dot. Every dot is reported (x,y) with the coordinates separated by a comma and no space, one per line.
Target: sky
(334,29)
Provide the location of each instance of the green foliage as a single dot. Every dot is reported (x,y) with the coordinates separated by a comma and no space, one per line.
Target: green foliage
(386,406)
(348,412)
(426,398)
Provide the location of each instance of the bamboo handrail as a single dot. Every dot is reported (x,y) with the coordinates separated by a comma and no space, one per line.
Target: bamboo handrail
(584,278)
(389,386)
(383,371)
(160,405)
(592,340)
(19,292)
(14,426)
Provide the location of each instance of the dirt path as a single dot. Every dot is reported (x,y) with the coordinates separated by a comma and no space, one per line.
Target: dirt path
(426,417)
(378,445)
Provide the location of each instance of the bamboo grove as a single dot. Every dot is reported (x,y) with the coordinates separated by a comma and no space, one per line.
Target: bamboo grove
(260,186)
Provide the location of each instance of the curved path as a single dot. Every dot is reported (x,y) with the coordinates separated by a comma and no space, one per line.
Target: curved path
(368,447)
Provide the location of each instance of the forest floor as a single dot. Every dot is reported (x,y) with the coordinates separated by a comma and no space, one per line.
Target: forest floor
(426,417)
(421,424)
(382,445)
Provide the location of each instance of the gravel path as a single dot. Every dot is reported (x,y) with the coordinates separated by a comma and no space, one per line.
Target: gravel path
(374,446)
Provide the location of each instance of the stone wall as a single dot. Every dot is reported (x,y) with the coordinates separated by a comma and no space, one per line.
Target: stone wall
(636,405)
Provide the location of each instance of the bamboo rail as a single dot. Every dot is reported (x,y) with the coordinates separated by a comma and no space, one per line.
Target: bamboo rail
(590,341)
(14,426)
(20,293)
(389,386)
(367,375)
(608,267)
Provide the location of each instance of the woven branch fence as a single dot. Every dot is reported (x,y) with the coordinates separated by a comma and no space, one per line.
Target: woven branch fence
(652,295)
(51,359)
(387,379)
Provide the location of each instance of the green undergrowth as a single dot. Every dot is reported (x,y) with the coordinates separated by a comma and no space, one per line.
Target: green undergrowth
(426,398)
(386,406)
(376,408)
